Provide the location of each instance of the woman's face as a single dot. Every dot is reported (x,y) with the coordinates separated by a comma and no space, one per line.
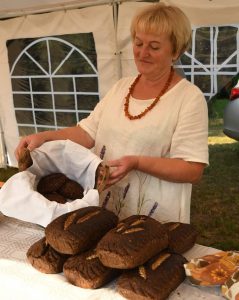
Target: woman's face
(152,53)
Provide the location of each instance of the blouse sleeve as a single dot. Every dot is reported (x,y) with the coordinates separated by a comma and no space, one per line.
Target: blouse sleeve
(190,139)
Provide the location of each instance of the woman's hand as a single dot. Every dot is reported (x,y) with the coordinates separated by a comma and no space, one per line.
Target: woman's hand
(30,142)
(75,134)
(121,167)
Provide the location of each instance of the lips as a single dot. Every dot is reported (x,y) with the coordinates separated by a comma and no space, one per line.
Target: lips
(142,61)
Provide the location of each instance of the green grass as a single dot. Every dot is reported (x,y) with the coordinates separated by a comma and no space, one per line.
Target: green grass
(215,200)
(6,173)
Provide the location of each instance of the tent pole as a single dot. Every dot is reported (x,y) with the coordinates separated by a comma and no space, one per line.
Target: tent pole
(117,50)
(3,154)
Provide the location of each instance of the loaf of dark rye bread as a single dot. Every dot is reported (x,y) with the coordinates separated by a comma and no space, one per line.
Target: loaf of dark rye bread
(59,188)
(71,190)
(55,197)
(154,280)
(51,183)
(182,237)
(24,160)
(134,241)
(86,270)
(79,230)
(44,258)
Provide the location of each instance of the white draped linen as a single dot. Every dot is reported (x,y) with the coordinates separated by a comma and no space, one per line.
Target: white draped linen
(19,197)
(19,280)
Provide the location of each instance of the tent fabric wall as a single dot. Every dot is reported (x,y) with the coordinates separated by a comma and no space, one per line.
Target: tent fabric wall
(126,12)
(209,12)
(56,23)
(16,8)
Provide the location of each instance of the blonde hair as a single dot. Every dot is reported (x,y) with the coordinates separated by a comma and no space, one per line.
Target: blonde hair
(159,18)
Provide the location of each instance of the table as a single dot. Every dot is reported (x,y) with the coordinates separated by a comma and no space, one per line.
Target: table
(20,281)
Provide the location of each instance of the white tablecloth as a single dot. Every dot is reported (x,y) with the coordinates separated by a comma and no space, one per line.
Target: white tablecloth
(20,281)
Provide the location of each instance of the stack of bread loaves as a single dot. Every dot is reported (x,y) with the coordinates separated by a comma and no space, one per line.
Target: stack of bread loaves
(92,248)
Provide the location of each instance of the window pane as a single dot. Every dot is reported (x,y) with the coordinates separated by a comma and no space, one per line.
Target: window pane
(67,55)
(25,64)
(22,101)
(66,119)
(87,84)
(87,102)
(24,117)
(41,84)
(58,51)
(203,82)
(41,129)
(63,84)
(82,116)
(39,52)
(42,101)
(24,130)
(65,102)
(185,60)
(76,64)
(203,45)
(222,80)
(20,84)
(44,118)
(226,43)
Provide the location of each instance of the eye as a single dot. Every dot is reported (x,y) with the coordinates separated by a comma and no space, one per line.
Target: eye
(138,44)
(154,47)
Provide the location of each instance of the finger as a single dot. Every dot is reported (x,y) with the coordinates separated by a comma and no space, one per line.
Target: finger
(113,163)
(18,151)
(115,174)
(112,181)
(31,147)
(16,154)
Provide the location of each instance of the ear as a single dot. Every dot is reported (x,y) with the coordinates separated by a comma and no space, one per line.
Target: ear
(175,57)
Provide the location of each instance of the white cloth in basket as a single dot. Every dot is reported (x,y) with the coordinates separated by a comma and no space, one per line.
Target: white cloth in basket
(19,198)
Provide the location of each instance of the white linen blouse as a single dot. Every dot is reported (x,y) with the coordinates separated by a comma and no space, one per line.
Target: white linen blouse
(177,127)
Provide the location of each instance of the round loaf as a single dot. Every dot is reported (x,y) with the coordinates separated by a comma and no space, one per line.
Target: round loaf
(51,183)
(55,197)
(71,190)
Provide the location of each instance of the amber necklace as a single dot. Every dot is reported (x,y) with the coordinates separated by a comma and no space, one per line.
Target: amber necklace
(152,105)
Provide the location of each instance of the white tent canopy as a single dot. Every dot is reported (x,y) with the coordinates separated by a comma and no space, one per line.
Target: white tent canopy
(109,23)
(206,12)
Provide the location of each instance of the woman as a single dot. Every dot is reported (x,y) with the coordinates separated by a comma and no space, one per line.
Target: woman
(151,130)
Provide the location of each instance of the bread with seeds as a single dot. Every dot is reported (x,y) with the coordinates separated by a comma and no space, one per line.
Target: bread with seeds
(182,236)
(134,241)
(154,280)
(86,271)
(44,258)
(79,230)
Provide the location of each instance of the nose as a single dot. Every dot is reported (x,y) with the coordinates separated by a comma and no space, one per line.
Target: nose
(144,52)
